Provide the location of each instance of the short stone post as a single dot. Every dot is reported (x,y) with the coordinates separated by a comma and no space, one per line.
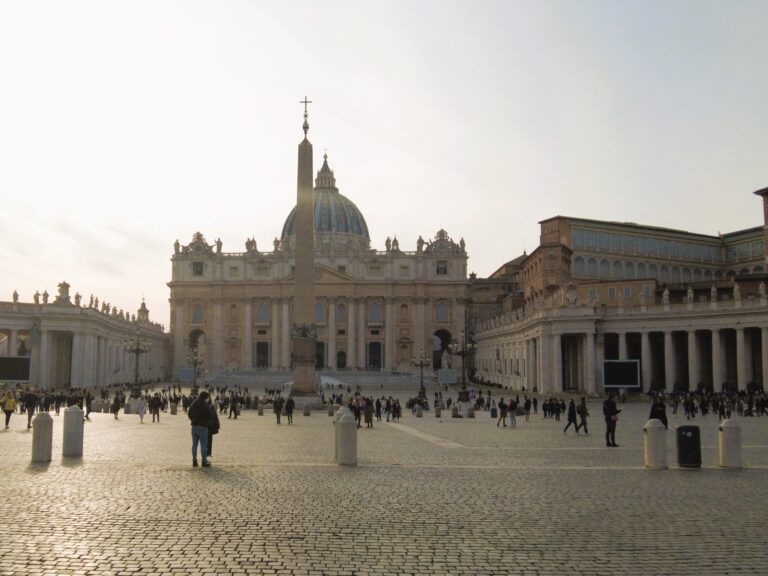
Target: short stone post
(419,411)
(470,411)
(42,437)
(174,409)
(730,444)
(261,409)
(438,412)
(330,410)
(454,411)
(346,428)
(307,410)
(655,444)
(339,413)
(73,432)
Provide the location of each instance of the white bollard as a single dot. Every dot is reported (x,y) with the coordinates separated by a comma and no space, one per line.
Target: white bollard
(419,412)
(655,444)
(73,432)
(339,413)
(347,440)
(307,410)
(42,437)
(730,444)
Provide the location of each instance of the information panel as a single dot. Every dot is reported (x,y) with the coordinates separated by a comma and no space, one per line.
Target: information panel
(621,374)
(15,368)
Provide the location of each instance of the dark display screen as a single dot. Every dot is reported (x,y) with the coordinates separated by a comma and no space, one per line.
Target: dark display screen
(14,368)
(621,374)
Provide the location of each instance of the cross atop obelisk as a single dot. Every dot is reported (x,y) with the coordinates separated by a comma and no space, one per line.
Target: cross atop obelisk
(306,123)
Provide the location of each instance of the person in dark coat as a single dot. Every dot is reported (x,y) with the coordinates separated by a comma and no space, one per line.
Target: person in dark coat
(200,414)
(368,413)
(583,413)
(659,411)
(571,417)
(611,413)
(290,404)
(277,406)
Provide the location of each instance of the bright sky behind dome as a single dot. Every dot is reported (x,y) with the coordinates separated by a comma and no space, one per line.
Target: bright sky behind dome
(127,125)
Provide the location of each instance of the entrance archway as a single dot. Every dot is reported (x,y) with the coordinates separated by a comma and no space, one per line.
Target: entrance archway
(440,341)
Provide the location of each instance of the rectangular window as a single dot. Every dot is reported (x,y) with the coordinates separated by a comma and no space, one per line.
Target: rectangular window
(233,271)
(593,294)
(442,267)
(743,251)
(674,249)
(611,293)
(197,268)
(261,332)
(604,241)
(342,269)
(577,238)
(591,239)
(663,248)
(647,290)
(405,271)
(341,332)
(374,270)
(685,250)
(650,246)
(696,251)
(627,291)
(375,332)
(262,271)
(757,248)
(615,243)
(374,313)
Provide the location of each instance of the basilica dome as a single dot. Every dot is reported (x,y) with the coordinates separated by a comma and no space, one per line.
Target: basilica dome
(336,216)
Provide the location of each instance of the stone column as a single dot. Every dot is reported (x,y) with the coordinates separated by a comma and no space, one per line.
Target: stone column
(246,355)
(717,362)
(557,364)
(622,345)
(764,355)
(331,333)
(76,368)
(13,344)
(669,362)
(389,334)
(179,340)
(544,365)
(421,328)
(351,333)
(693,360)
(591,377)
(646,364)
(216,340)
(741,360)
(274,324)
(362,335)
(285,334)
(90,361)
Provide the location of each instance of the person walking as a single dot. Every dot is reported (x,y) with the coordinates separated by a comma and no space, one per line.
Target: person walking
(116,404)
(30,404)
(200,414)
(277,406)
(502,413)
(512,411)
(8,403)
(659,411)
(290,405)
(611,413)
(571,417)
(88,405)
(154,406)
(368,413)
(583,413)
(141,408)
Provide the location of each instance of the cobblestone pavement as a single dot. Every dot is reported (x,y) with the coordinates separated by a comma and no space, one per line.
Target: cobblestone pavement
(429,496)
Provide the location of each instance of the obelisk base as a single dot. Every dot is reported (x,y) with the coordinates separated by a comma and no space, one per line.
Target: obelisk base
(304,360)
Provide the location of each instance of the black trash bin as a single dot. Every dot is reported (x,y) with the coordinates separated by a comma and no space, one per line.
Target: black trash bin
(688,447)
(494,412)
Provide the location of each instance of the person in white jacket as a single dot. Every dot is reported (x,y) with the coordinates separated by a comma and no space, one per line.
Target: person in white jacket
(141,409)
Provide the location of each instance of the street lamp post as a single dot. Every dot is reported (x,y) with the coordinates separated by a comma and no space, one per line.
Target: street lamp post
(465,350)
(420,362)
(195,358)
(137,347)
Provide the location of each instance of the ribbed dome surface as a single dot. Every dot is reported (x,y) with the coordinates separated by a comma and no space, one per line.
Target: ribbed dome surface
(334,212)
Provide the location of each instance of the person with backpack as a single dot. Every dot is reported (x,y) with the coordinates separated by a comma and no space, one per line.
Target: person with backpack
(571,417)
(200,414)
(583,413)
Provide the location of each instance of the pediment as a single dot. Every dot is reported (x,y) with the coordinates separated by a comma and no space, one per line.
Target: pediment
(323,275)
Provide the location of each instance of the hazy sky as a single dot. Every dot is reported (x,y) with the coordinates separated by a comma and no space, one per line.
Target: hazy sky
(126,125)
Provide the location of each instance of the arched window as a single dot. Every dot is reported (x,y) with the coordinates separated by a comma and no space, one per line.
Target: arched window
(404,316)
(262,314)
(605,269)
(629,270)
(578,266)
(743,271)
(665,274)
(758,269)
(697,275)
(197,314)
(641,271)
(617,269)
(374,314)
(687,277)
(675,275)
(708,275)
(442,313)
(341,314)
(592,267)
(319,313)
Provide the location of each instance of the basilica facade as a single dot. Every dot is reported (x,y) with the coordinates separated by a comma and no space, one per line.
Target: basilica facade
(374,309)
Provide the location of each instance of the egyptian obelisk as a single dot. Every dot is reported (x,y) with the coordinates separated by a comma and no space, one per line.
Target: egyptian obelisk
(304,337)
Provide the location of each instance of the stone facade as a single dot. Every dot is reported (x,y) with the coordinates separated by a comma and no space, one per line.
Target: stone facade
(74,344)
(374,309)
(691,308)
